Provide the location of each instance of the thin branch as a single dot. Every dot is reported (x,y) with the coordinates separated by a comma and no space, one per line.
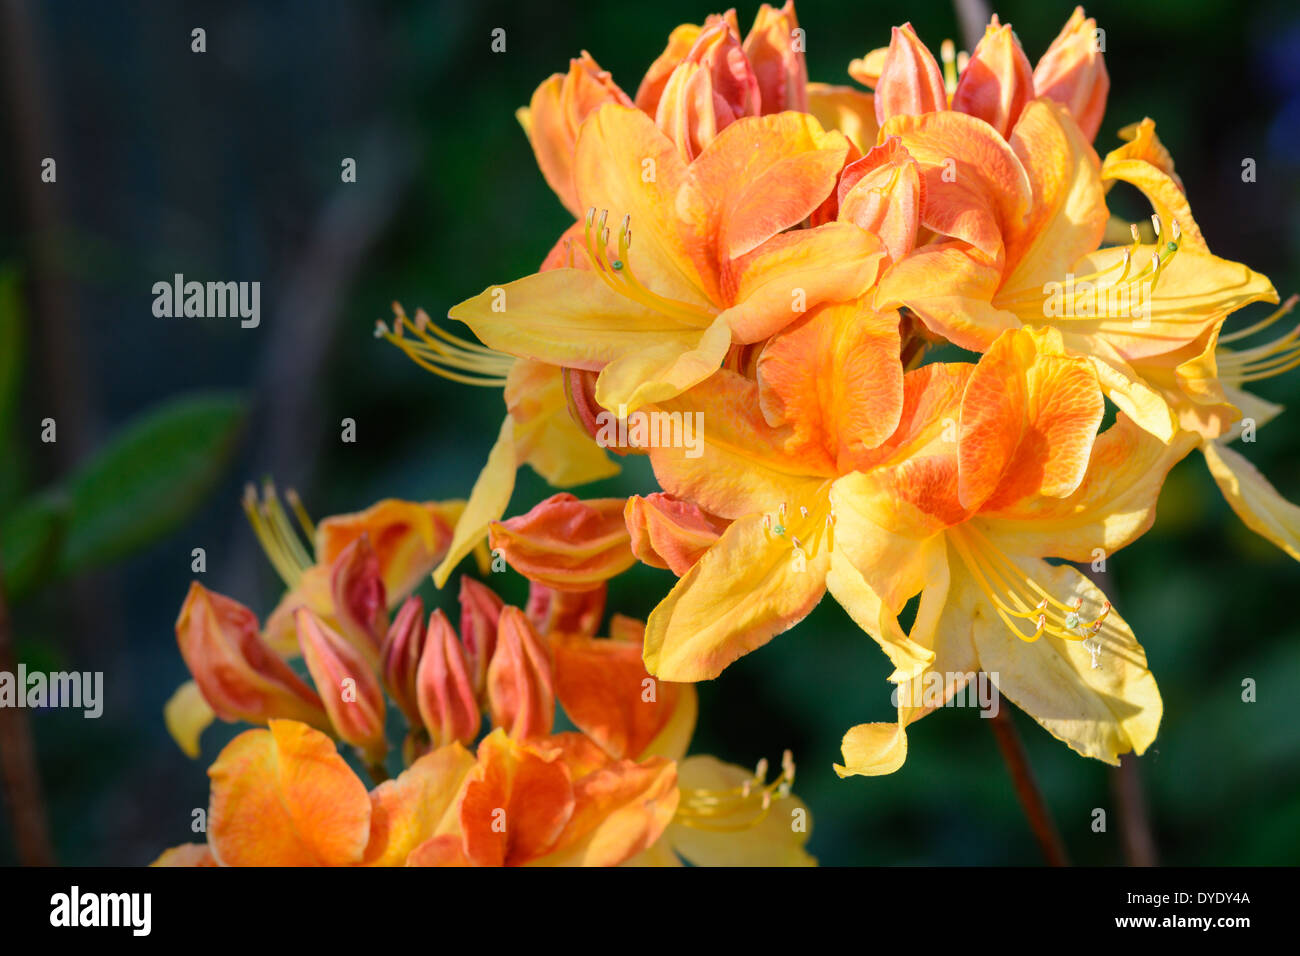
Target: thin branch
(1031,798)
(22,781)
(1135,824)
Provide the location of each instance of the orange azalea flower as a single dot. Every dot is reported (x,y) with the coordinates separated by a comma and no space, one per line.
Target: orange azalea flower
(705,79)
(607,795)
(990,469)
(363,563)
(284,797)
(726,815)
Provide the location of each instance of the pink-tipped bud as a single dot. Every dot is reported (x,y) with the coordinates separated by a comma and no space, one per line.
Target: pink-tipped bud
(708,91)
(444,694)
(480,609)
(997,82)
(399,658)
(775,52)
(910,81)
(565,612)
(347,685)
(360,608)
(521,690)
(237,673)
(1073,73)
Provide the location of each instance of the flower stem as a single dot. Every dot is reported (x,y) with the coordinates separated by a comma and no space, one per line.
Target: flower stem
(1031,798)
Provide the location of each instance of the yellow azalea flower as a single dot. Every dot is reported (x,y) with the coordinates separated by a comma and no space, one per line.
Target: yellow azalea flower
(1018,244)
(989,470)
(714,262)
(1204,382)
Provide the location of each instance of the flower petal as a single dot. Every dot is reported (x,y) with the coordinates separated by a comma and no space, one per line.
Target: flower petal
(1100,711)
(187,715)
(750,586)
(1256,502)
(420,804)
(778,839)
(284,797)
(565,543)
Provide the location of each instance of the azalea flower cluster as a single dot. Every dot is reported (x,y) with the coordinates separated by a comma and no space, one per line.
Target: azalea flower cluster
(617,789)
(807,258)
(811,262)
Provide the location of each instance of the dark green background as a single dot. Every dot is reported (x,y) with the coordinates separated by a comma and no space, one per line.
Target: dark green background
(226,166)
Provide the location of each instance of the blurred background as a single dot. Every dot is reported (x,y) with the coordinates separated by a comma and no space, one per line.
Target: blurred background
(226,165)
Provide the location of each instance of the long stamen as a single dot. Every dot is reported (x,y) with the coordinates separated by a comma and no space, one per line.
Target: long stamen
(1282,310)
(1162,252)
(997,578)
(281,544)
(445,355)
(1262,361)
(618,275)
(738,808)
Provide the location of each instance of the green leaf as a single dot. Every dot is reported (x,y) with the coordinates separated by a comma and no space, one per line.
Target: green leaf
(149,479)
(29,542)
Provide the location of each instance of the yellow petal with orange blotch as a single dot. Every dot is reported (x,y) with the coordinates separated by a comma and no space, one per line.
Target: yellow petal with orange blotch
(836,379)
(1256,502)
(1068,216)
(418,805)
(796,271)
(742,464)
(284,797)
(1028,420)
(1113,505)
(759,579)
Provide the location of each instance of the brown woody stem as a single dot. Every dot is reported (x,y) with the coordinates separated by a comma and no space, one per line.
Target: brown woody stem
(1022,776)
